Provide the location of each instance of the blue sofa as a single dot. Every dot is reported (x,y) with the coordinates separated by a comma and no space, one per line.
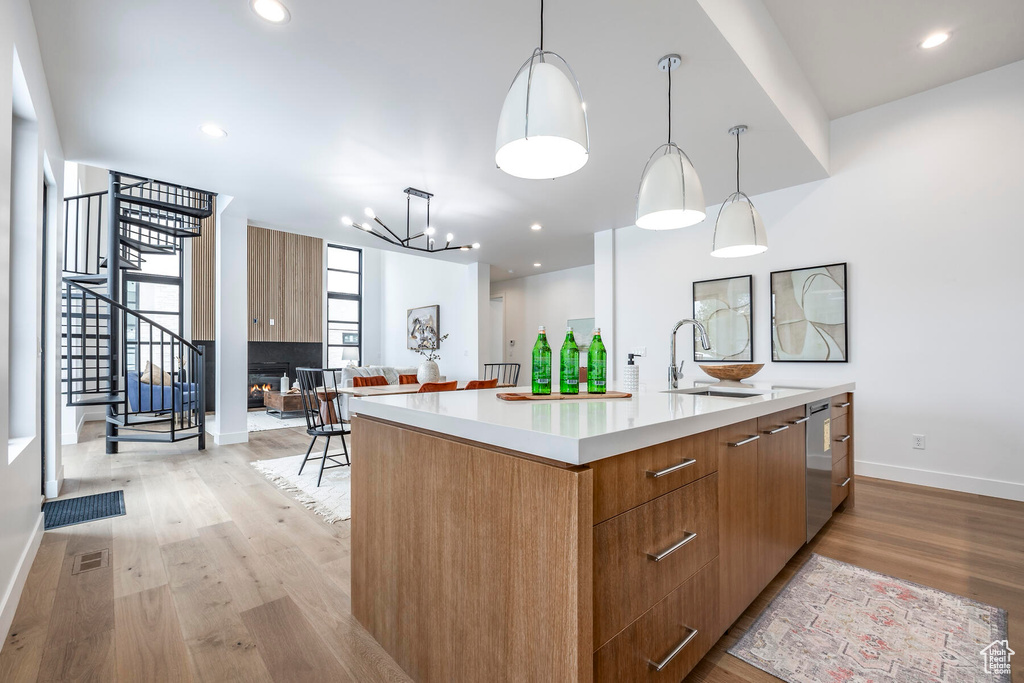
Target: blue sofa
(144,398)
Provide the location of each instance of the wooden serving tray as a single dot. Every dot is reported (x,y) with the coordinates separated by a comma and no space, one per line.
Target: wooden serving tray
(555,396)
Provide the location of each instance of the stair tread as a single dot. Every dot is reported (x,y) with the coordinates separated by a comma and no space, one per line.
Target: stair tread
(161,437)
(82,279)
(146,247)
(94,399)
(165,206)
(164,229)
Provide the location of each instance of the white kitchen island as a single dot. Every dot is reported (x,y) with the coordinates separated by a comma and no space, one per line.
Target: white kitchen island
(576,540)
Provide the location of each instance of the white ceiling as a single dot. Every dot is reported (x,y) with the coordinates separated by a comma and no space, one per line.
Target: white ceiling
(862,53)
(351,102)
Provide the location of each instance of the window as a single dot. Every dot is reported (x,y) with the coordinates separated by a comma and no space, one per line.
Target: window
(344,306)
(24,274)
(154,291)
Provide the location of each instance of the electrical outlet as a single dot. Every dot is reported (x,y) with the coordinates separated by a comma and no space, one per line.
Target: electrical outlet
(639,351)
(918,441)
(271,321)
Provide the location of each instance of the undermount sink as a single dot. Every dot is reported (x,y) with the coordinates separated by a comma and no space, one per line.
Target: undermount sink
(721,393)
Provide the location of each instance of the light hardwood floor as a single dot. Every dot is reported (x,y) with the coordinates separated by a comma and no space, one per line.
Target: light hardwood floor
(216,575)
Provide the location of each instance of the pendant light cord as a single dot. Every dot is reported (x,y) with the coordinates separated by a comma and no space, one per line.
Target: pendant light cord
(737,161)
(541,24)
(670,103)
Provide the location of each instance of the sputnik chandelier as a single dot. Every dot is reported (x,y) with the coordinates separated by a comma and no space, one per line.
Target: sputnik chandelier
(389,236)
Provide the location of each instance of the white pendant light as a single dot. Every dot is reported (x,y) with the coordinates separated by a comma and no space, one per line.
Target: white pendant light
(739,230)
(542,129)
(670,193)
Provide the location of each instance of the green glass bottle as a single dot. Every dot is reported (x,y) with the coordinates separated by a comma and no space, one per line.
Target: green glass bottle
(541,365)
(597,365)
(569,366)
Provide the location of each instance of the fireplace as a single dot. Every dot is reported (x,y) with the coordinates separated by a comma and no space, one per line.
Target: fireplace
(265,376)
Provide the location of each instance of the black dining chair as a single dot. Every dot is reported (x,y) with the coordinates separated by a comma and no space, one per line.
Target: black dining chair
(505,373)
(321,403)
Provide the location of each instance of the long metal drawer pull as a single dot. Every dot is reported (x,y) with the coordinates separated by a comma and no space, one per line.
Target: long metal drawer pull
(843,405)
(745,441)
(778,429)
(800,421)
(671,469)
(658,666)
(843,439)
(658,557)
(844,483)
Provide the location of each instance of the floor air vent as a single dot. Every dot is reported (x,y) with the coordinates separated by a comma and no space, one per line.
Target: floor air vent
(97,559)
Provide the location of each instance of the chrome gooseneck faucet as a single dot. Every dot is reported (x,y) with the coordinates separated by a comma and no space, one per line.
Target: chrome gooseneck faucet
(674,373)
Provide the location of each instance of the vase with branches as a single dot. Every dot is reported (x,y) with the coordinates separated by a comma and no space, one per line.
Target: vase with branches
(428,370)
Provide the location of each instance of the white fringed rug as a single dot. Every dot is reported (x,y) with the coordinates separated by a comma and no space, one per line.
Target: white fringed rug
(260,421)
(330,500)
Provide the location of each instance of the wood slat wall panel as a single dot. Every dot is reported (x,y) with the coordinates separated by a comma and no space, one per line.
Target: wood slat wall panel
(303,287)
(204,284)
(285,284)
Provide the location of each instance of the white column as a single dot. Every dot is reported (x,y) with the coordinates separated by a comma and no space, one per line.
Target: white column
(478,293)
(604,294)
(231,326)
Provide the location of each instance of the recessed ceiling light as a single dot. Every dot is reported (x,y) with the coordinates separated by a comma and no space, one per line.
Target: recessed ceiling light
(536,265)
(934,40)
(271,10)
(535,226)
(213,130)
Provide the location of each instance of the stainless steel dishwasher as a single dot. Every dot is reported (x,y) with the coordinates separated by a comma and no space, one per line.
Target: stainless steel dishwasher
(819,466)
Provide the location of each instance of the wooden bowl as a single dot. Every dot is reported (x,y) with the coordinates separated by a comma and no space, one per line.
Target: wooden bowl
(733,372)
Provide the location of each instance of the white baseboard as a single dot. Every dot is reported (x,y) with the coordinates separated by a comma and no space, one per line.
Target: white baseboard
(17,584)
(230,438)
(54,485)
(94,413)
(72,437)
(942,480)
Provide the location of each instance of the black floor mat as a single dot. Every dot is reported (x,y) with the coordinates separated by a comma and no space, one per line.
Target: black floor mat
(58,513)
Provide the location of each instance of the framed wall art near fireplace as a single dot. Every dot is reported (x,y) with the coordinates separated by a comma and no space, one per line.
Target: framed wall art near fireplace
(809,315)
(423,327)
(723,307)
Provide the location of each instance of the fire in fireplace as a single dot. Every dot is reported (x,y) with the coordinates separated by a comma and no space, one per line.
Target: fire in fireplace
(265,377)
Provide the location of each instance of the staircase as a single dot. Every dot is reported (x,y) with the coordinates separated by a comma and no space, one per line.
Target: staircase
(107,347)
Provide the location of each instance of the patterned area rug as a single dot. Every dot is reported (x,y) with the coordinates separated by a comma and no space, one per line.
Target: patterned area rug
(329,500)
(838,623)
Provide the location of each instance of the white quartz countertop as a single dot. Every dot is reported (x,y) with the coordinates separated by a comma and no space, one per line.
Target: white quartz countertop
(581,431)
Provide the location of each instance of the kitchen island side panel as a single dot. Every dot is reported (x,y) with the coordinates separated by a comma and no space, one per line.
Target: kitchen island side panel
(470,564)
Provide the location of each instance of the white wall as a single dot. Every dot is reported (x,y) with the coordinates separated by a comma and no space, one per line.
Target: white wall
(924,204)
(20,480)
(409,281)
(549,299)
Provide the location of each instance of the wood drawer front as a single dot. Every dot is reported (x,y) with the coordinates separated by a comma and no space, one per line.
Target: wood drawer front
(768,423)
(622,482)
(840,485)
(840,431)
(841,404)
(693,605)
(627,581)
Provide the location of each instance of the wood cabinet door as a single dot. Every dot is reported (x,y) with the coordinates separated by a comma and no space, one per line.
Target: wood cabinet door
(738,515)
(781,489)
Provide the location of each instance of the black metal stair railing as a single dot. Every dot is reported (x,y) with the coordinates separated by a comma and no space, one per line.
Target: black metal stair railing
(84,246)
(168,407)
